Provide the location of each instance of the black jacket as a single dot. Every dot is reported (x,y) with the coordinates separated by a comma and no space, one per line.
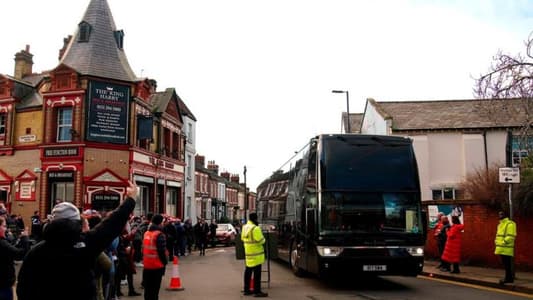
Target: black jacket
(8,255)
(71,256)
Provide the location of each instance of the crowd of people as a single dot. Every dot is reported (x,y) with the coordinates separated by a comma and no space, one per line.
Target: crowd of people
(94,253)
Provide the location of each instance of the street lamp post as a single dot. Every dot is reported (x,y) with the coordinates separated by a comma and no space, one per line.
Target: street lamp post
(245,196)
(348,125)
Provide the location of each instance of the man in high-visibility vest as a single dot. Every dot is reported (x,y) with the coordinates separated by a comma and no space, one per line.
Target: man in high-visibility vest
(253,240)
(155,257)
(504,241)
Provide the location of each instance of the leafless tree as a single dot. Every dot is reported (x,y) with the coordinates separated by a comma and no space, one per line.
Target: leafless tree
(510,77)
(482,185)
(508,92)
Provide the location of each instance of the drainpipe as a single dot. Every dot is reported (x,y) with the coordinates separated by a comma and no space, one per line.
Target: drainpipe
(485,149)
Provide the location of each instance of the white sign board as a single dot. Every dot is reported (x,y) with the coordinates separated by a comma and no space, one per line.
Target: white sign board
(509,175)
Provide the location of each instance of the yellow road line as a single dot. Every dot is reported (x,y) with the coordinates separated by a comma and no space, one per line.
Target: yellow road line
(480,287)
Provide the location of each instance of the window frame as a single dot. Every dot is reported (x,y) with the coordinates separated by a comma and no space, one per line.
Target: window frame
(520,151)
(443,191)
(65,188)
(3,124)
(60,127)
(84,32)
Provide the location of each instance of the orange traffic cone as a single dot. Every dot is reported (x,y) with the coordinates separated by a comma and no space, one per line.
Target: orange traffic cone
(175,281)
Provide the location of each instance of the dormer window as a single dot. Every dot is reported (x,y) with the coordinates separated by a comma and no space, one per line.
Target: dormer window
(119,38)
(84,32)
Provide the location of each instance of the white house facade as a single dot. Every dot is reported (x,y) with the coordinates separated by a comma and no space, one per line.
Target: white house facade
(189,127)
(449,139)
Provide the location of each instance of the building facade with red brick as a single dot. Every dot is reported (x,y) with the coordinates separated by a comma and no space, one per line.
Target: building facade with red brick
(80,131)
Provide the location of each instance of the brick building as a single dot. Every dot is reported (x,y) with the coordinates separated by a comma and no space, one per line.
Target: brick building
(81,130)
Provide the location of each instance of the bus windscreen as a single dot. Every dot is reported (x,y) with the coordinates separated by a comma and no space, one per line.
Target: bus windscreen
(367,164)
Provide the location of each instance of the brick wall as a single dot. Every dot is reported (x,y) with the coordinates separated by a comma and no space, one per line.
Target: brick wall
(14,166)
(478,238)
(32,120)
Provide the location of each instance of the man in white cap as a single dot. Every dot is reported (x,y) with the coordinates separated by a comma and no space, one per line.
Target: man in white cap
(69,253)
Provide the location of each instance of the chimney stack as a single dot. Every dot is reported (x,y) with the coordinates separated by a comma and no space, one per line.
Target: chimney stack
(212,166)
(225,174)
(200,160)
(65,45)
(23,63)
(153,85)
(235,178)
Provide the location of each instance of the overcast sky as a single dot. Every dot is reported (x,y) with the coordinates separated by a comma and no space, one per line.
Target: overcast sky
(258,75)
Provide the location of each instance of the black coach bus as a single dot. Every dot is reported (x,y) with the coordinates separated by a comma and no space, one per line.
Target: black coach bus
(347,203)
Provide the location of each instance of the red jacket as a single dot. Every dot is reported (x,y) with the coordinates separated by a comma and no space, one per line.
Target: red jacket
(452,250)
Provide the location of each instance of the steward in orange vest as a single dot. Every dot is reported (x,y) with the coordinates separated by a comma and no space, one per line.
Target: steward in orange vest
(154,258)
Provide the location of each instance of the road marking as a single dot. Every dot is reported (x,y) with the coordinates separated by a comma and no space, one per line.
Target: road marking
(479,287)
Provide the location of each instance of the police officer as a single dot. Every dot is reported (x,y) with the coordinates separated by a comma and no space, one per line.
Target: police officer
(253,241)
(504,241)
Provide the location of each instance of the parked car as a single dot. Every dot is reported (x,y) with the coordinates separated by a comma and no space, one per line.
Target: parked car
(267,227)
(226,234)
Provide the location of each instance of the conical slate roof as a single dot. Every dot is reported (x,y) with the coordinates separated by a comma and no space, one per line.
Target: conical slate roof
(99,54)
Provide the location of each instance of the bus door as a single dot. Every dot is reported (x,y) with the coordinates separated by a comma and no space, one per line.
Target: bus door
(309,254)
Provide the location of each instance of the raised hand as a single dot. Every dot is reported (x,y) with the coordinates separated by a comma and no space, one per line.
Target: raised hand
(132,190)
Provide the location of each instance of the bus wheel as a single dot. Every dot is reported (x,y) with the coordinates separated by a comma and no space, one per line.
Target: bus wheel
(295,261)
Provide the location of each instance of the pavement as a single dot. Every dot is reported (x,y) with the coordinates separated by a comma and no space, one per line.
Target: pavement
(488,277)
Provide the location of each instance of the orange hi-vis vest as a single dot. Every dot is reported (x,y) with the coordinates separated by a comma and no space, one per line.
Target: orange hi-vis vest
(150,257)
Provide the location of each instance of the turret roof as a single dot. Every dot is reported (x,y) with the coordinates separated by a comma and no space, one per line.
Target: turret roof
(99,53)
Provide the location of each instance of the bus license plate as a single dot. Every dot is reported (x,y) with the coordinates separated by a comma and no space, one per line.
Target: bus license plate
(373,268)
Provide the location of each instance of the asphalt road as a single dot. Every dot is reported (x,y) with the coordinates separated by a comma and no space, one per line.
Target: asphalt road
(219,276)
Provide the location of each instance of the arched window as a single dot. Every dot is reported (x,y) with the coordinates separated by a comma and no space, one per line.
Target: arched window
(84,32)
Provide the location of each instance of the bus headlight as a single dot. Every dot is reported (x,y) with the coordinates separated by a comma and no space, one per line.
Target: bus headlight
(416,251)
(329,251)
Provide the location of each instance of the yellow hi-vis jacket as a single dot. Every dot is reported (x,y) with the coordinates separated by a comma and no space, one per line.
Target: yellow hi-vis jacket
(253,241)
(505,237)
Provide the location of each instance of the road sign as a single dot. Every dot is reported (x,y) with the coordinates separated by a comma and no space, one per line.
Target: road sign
(509,175)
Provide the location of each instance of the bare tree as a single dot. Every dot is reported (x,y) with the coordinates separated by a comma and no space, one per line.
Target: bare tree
(482,185)
(510,77)
(508,92)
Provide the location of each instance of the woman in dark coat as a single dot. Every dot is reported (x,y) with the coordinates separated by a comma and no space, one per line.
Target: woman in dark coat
(452,250)
(8,255)
(126,265)
(442,236)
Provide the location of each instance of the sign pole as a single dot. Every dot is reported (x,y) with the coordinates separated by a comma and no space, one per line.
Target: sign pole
(510,203)
(510,176)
